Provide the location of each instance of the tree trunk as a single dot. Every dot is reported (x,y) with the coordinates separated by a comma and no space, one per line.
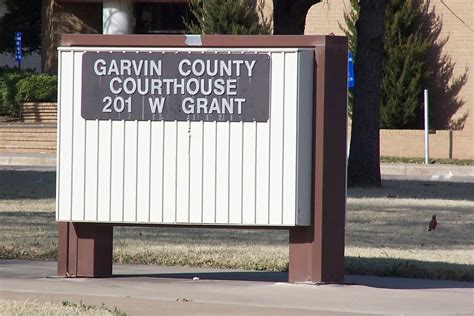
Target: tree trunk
(364,157)
(289,16)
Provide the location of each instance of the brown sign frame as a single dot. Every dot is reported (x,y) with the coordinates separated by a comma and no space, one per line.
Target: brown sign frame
(316,253)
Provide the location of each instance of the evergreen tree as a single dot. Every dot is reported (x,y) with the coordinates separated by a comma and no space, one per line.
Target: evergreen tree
(404,68)
(237,17)
(351,17)
(404,71)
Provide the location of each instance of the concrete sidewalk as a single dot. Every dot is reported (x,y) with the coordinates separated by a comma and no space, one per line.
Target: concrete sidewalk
(27,159)
(428,172)
(151,290)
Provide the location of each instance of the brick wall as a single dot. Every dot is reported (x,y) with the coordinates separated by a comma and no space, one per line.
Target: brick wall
(443,144)
(323,18)
(460,48)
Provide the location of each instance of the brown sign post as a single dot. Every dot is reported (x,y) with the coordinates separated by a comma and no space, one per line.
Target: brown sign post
(316,251)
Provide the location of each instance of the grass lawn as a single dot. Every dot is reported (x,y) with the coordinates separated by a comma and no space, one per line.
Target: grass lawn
(13,307)
(386,232)
(417,160)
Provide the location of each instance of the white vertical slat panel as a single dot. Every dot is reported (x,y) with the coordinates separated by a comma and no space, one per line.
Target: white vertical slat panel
(195,172)
(276,138)
(130,172)
(117,171)
(65,136)
(305,137)
(262,162)
(156,172)
(143,175)
(58,138)
(78,141)
(169,173)
(209,172)
(262,173)
(104,166)
(222,173)
(235,172)
(248,173)
(182,172)
(91,167)
(289,140)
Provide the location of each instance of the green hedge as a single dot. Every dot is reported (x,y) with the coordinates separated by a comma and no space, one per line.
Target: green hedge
(24,86)
(37,88)
(9,79)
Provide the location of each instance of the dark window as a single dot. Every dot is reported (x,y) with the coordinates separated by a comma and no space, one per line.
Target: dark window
(161,18)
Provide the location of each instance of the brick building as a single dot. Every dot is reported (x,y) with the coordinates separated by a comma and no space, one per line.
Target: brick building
(451,115)
(446,112)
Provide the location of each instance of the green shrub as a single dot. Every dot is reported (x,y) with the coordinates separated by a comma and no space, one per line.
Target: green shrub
(237,17)
(37,88)
(24,86)
(9,79)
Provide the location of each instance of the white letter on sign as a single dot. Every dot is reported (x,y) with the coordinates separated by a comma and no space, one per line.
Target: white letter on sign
(250,67)
(111,85)
(156,103)
(99,70)
(180,67)
(188,106)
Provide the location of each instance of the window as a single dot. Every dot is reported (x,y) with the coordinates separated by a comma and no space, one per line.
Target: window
(161,18)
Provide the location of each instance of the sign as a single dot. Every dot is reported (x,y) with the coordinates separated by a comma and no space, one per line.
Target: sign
(18,53)
(156,131)
(350,70)
(169,86)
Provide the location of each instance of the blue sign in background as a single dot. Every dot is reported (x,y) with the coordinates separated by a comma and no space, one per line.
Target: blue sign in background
(350,70)
(18,53)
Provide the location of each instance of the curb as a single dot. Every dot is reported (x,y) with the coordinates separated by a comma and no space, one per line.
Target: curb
(434,171)
(40,160)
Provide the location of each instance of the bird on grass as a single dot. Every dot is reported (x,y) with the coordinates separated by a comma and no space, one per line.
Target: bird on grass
(433,224)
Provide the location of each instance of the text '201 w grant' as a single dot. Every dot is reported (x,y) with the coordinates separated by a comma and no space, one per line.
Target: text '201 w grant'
(194,86)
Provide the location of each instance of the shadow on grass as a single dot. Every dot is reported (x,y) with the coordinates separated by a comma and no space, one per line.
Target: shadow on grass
(374,272)
(404,268)
(260,276)
(413,189)
(27,184)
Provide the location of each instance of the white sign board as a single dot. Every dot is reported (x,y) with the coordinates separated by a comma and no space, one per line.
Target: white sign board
(209,170)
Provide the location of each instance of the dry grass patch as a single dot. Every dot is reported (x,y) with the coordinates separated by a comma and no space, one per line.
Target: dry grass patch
(386,232)
(265,250)
(28,205)
(273,258)
(13,307)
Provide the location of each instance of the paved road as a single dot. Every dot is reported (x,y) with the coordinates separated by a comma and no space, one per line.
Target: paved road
(436,177)
(420,172)
(151,290)
(27,168)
